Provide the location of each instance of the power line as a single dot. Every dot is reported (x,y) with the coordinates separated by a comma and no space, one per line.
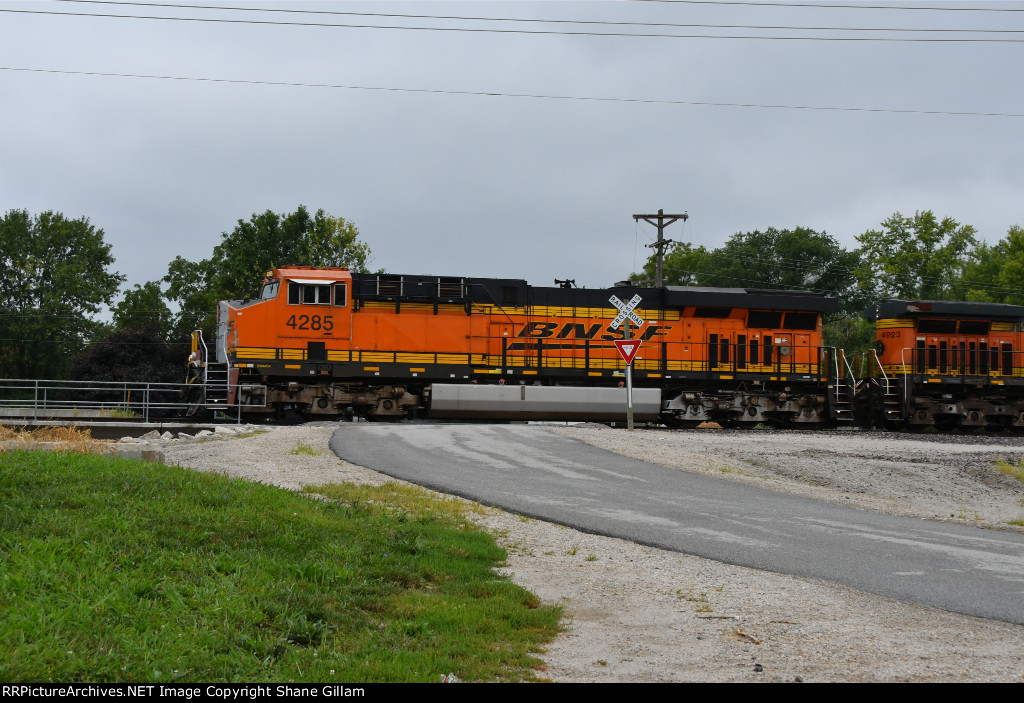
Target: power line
(974,284)
(497,94)
(832,6)
(473,18)
(491,30)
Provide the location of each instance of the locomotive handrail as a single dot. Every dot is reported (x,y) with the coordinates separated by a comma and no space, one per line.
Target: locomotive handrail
(903,365)
(206,353)
(849,367)
(835,363)
(885,377)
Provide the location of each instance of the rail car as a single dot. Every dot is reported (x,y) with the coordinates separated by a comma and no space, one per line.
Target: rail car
(944,363)
(329,342)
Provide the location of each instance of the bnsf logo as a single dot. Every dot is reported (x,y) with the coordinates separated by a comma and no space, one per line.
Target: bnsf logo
(575,330)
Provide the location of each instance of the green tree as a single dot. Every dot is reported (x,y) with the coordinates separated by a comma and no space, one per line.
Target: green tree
(996,273)
(265,241)
(684,265)
(917,257)
(144,308)
(797,259)
(55,277)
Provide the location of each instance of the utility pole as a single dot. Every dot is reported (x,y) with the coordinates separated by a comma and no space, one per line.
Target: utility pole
(662,222)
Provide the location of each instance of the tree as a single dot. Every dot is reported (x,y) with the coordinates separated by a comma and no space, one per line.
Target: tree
(55,276)
(684,265)
(133,354)
(919,257)
(996,273)
(794,259)
(266,241)
(797,259)
(143,308)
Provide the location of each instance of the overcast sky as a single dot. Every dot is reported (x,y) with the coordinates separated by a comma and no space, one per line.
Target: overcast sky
(491,185)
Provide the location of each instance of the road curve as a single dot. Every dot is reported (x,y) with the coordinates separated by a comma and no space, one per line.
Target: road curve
(528,470)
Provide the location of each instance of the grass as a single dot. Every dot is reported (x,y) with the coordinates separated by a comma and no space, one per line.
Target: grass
(117,570)
(301,448)
(74,439)
(1015,470)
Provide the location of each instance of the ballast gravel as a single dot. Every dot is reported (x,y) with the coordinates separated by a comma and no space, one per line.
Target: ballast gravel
(638,614)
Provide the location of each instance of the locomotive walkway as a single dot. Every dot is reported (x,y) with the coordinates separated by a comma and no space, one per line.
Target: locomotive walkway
(528,470)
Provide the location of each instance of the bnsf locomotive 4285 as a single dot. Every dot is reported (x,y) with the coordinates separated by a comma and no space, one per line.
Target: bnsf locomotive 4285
(328,342)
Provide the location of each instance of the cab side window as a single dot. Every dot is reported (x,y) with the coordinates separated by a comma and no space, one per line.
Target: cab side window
(308,294)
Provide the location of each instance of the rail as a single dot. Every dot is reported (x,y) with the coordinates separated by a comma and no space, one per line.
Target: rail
(206,354)
(881,370)
(113,400)
(49,399)
(903,368)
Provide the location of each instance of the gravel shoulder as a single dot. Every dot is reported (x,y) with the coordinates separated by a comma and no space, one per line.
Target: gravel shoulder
(640,614)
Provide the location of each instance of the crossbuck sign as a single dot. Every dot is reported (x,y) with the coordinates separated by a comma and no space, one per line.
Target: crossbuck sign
(626,311)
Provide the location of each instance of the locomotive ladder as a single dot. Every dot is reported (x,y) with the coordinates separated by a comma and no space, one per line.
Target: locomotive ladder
(843,388)
(215,386)
(215,378)
(892,401)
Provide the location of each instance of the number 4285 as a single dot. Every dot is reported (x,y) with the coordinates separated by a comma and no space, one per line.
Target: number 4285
(311,322)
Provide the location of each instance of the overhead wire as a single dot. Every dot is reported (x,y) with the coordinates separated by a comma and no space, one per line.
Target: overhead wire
(972,284)
(536,96)
(831,6)
(529,20)
(494,30)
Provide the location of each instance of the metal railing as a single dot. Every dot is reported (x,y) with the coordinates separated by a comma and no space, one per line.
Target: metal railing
(110,400)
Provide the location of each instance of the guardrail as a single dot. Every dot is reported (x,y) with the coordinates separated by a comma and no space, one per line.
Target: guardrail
(120,400)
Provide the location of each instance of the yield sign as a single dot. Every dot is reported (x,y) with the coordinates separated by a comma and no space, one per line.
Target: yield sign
(628,348)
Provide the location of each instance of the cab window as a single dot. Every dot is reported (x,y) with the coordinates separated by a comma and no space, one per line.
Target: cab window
(308,294)
(270,290)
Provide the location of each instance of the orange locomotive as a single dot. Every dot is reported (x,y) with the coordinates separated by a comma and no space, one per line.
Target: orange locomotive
(327,342)
(944,363)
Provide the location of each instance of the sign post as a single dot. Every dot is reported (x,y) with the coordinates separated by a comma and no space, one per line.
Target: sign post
(627,347)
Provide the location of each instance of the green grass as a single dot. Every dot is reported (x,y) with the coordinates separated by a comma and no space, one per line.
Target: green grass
(115,570)
(301,448)
(1015,470)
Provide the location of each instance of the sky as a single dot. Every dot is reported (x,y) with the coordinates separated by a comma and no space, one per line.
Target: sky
(432,151)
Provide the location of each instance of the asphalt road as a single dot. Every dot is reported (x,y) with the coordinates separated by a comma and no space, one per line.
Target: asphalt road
(528,470)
